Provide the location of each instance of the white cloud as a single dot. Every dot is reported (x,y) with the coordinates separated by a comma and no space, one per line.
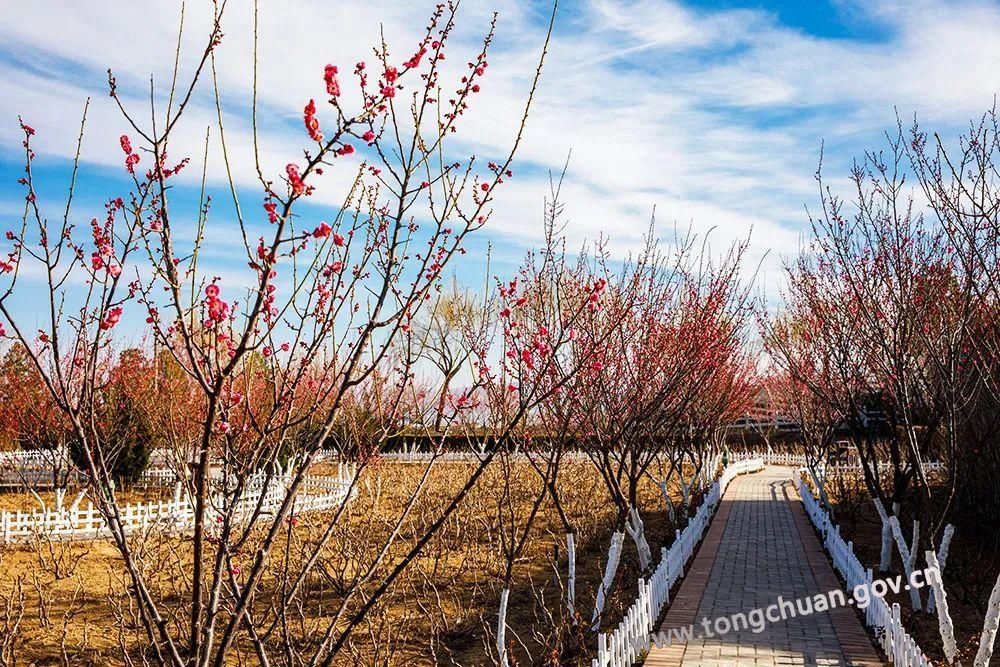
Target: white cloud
(715,118)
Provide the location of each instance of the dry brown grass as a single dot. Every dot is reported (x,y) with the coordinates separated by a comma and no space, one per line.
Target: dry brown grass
(441,611)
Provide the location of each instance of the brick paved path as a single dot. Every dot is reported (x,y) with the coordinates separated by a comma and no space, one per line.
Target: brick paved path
(761,546)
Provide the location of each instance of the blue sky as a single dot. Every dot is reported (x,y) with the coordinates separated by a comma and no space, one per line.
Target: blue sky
(711,112)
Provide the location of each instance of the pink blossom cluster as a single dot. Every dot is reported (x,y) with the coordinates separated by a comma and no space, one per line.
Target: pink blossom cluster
(131,157)
(217,310)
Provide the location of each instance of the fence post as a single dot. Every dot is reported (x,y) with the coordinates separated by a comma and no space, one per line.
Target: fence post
(643,607)
(666,579)
(895,623)
(869,610)
(678,541)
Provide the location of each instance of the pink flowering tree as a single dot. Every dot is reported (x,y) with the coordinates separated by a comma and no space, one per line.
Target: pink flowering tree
(31,420)
(815,420)
(676,349)
(548,345)
(876,324)
(958,181)
(277,364)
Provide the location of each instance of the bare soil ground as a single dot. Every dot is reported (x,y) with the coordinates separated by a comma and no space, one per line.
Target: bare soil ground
(970,572)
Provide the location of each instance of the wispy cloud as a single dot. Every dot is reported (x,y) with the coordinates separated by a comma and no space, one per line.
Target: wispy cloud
(713,117)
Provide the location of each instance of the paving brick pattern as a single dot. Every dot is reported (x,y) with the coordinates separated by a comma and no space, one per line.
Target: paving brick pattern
(760,546)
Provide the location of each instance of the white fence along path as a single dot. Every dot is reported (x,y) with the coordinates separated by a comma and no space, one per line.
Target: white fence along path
(884,620)
(625,644)
(416,455)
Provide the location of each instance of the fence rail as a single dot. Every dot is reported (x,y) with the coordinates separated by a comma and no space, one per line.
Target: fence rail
(801,461)
(626,643)
(38,469)
(882,618)
(262,498)
(473,455)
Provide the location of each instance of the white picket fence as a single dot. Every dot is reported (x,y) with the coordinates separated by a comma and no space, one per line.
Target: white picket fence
(423,457)
(473,455)
(884,620)
(769,458)
(625,644)
(800,461)
(316,494)
(27,456)
(34,468)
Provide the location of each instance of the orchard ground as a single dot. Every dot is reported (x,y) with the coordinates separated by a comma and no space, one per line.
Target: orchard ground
(443,611)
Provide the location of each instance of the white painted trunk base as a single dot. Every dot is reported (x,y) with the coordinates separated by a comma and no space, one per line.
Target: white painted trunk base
(610,569)
(989,636)
(637,531)
(885,558)
(571,576)
(502,629)
(904,552)
(942,559)
(945,626)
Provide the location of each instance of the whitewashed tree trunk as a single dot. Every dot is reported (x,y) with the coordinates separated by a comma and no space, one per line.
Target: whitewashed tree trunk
(708,473)
(60,498)
(76,501)
(502,628)
(610,569)
(915,544)
(989,628)
(885,558)
(820,486)
(667,502)
(942,560)
(685,493)
(571,577)
(637,531)
(904,553)
(945,626)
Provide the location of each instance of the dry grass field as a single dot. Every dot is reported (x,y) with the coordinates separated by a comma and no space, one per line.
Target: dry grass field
(65,603)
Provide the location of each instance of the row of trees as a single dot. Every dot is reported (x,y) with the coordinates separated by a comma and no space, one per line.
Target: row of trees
(347,337)
(130,414)
(888,333)
(638,367)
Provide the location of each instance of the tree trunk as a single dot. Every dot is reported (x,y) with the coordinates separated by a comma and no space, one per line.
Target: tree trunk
(610,569)
(885,559)
(914,545)
(989,628)
(502,629)
(637,531)
(904,553)
(942,559)
(820,487)
(571,578)
(945,626)
(668,503)
(686,496)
